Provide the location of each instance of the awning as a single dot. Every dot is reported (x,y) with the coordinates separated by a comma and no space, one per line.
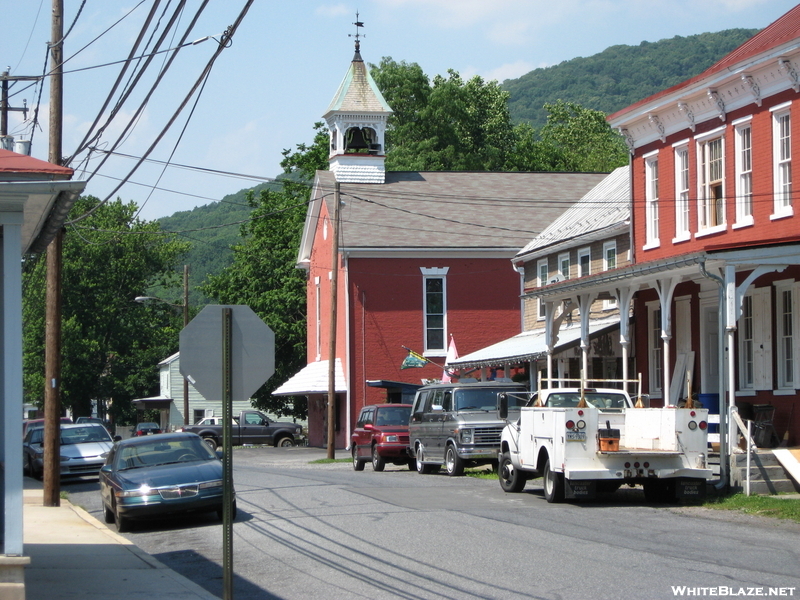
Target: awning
(153,402)
(313,379)
(407,388)
(530,345)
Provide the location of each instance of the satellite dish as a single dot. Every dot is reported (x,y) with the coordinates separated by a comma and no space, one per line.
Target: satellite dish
(557,278)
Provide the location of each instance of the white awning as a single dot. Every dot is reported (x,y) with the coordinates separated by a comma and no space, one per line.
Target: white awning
(313,379)
(529,345)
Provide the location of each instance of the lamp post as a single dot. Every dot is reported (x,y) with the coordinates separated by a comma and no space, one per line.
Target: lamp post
(185,307)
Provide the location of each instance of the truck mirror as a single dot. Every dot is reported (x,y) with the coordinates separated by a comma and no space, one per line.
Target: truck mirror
(502,405)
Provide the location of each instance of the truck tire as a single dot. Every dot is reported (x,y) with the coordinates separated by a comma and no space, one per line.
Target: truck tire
(211,443)
(453,462)
(358,464)
(422,468)
(511,480)
(284,442)
(553,484)
(378,462)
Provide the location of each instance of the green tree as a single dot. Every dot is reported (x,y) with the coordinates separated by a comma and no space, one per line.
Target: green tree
(263,274)
(110,344)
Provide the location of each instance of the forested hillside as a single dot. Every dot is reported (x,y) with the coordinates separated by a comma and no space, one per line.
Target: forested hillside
(620,75)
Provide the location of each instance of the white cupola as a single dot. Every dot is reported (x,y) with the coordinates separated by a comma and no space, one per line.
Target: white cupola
(356,120)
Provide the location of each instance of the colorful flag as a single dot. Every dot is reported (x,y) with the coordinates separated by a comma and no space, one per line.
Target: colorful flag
(452,354)
(413,360)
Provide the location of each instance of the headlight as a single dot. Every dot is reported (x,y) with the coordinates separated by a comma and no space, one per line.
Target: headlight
(211,484)
(64,458)
(391,438)
(466,436)
(144,490)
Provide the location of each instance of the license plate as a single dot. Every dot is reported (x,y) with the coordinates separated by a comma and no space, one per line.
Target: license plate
(576,436)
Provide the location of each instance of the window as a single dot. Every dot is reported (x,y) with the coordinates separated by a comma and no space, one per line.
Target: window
(787,334)
(755,345)
(609,262)
(711,198)
(318,317)
(543,274)
(654,346)
(563,265)
(782,160)
(682,194)
(584,262)
(435,304)
(651,201)
(744,175)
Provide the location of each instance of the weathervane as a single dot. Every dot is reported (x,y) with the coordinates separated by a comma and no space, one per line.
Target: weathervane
(357,35)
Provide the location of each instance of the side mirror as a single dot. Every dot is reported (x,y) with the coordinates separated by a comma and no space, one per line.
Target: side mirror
(117,438)
(502,405)
(105,469)
(437,409)
(369,426)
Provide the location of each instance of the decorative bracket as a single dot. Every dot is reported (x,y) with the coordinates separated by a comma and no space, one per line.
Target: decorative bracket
(687,112)
(714,96)
(655,121)
(754,89)
(629,141)
(785,65)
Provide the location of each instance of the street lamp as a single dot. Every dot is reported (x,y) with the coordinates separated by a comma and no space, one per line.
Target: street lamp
(185,307)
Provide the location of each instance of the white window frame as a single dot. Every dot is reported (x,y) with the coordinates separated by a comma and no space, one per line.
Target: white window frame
(429,274)
(655,349)
(563,259)
(543,273)
(317,317)
(782,161)
(651,201)
(584,252)
(787,335)
(682,223)
(711,213)
(755,341)
(743,164)
(609,247)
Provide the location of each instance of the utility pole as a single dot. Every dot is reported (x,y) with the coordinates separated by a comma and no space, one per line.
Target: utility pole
(52,367)
(4,107)
(185,323)
(332,341)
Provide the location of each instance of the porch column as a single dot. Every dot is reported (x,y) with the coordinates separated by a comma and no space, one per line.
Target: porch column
(584,306)
(666,289)
(550,338)
(624,297)
(12,380)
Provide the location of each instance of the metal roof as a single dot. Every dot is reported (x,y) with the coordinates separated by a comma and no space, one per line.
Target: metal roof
(358,92)
(605,205)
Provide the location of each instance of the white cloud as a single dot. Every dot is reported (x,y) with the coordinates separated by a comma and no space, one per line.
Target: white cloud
(510,71)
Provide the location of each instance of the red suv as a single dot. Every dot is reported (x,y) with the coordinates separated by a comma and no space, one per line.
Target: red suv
(381,435)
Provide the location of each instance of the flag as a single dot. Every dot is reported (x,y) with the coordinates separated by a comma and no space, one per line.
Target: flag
(452,354)
(413,360)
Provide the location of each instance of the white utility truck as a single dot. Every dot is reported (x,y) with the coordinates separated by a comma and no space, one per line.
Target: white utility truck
(582,440)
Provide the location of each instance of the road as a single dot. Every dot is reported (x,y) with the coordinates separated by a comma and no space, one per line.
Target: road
(308,531)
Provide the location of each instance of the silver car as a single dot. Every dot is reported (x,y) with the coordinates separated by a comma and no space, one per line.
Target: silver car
(84,448)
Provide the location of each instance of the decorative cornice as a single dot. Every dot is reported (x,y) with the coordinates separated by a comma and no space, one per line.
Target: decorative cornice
(717,99)
(686,111)
(785,65)
(658,125)
(754,88)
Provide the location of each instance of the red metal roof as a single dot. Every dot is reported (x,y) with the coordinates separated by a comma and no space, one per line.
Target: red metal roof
(779,32)
(11,162)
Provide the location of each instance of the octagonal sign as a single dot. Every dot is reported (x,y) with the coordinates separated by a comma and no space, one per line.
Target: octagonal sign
(252,352)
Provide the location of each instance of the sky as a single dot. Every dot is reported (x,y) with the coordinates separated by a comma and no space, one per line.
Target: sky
(286,60)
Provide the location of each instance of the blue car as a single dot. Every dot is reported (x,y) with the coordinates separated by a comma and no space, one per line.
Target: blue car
(160,475)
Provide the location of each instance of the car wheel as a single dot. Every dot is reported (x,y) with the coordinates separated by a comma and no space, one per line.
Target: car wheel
(511,479)
(358,464)
(422,468)
(211,443)
(123,524)
(553,484)
(285,442)
(378,463)
(453,462)
(108,514)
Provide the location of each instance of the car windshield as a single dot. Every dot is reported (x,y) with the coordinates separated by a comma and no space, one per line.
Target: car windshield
(393,415)
(83,435)
(160,452)
(147,426)
(571,400)
(479,399)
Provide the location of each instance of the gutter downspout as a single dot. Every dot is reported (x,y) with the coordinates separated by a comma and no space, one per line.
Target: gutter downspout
(723,414)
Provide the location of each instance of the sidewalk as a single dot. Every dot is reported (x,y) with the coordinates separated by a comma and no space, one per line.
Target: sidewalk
(73,555)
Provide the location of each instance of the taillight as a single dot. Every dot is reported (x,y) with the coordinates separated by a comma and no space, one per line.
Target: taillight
(692,425)
(646,464)
(692,414)
(703,425)
(580,413)
(570,424)
(581,424)
(627,465)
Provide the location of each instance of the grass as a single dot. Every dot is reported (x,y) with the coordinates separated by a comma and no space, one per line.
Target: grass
(764,506)
(481,473)
(326,461)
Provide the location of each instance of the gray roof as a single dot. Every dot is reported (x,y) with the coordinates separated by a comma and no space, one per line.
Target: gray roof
(604,206)
(445,210)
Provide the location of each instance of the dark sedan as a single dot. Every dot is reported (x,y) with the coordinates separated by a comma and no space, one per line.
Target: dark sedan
(160,475)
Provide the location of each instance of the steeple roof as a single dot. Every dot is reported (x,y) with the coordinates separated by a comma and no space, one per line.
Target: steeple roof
(358,91)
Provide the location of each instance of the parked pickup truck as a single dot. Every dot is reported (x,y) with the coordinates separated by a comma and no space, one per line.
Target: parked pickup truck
(583,440)
(250,427)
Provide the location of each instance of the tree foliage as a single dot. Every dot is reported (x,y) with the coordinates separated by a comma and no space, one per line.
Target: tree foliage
(110,344)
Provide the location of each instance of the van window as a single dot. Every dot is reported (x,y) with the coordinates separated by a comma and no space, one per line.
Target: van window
(436,399)
(447,401)
(419,405)
(478,399)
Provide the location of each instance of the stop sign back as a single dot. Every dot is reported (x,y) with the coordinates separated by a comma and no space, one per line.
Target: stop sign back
(252,352)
